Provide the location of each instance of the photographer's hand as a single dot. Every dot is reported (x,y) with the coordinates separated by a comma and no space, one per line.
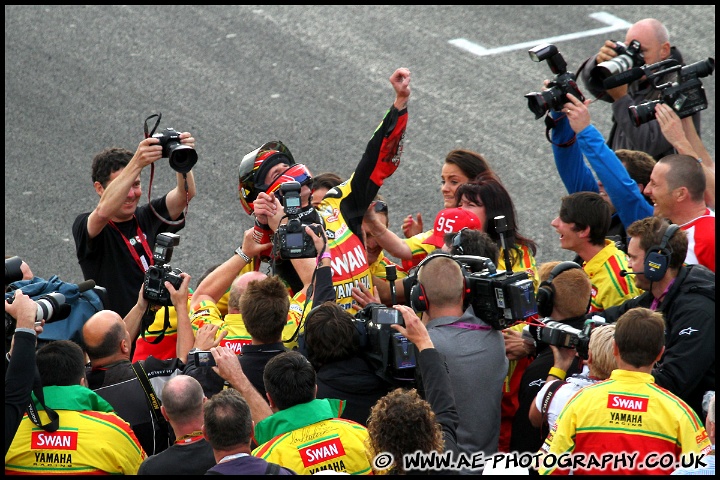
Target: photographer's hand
(186,138)
(563,357)
(320,241)
(577,113)
(250,247)
(205,337)
(414,329)
(24,310)
(607,52)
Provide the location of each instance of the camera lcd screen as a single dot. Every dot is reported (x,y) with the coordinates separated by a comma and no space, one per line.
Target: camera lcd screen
(204,359)
(387,316)
(295,240)
(292,201)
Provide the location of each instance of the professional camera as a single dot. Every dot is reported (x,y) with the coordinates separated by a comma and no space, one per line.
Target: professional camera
(391,353)
(13,270)
(51,307)
(685,96)
(182,158)
(563,335)
(628,57)
(563,83)
(498,298)
(291,240)
(154,290)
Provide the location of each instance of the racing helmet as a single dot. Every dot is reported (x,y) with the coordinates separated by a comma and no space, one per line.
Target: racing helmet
(254,167)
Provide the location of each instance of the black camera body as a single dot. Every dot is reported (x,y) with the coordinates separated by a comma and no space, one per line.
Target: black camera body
(563,335)
(13,270)
(154,290)
(686,96)
(182,158)
(204,358)
(557,89)
(291,240)
(628,57)
(390,352)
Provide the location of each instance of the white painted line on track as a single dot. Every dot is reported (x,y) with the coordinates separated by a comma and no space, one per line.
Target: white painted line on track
(614,24)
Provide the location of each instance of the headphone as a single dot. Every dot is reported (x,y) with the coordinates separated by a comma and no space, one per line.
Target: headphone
(657,256)
(418,297)
(546,291)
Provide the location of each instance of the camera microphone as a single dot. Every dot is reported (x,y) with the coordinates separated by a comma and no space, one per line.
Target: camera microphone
(625,273)
(623,78)
(86,285)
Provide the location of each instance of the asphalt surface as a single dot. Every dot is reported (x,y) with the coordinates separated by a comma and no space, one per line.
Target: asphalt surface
(82,78)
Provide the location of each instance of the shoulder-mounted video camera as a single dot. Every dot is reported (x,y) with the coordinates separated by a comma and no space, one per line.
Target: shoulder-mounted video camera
(391,353)
(154,290)
(563,335)
(291,240)
(564,82)
(686,95)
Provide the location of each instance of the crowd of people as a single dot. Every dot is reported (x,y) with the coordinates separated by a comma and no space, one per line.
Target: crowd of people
(360,350)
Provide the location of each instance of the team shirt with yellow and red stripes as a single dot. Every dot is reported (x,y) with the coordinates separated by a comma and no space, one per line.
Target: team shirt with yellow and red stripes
(625,414)
(609,288)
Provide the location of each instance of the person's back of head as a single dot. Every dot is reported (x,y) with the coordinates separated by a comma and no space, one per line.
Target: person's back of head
(105,335)
(640,336)
(650,231)
(442,281)
(109,161)
(685,171)
(238,287)
(264,307)
(601,351)
(227,421)
(289,380)
(61,363)
(638,164)
(571,289)
(473,242)
(402,422)
(470,163)
(587,209)
(183,398)
(330,335)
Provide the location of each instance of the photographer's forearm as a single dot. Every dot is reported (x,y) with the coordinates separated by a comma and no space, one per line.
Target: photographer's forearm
(185,335)
(178,197)
(217,282)
(133,320)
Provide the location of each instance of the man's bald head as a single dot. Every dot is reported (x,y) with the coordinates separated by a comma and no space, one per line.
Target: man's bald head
(105,335)
(238,288)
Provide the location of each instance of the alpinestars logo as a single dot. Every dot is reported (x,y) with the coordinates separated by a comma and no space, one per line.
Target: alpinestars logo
(688,331)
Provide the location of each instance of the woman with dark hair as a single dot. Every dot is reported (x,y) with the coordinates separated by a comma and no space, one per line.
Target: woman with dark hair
(488,198)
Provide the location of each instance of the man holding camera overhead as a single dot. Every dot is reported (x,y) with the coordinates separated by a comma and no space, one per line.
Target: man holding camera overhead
(654,46)
(114,243)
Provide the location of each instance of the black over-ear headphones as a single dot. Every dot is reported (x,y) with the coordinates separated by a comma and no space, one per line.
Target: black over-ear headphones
(546,291)
(658,256)
(418,297)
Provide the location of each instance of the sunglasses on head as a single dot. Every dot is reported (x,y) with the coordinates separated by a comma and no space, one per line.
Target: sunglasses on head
(381,207)
(457,241)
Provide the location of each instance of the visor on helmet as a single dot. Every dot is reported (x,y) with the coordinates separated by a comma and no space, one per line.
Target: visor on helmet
(253,168)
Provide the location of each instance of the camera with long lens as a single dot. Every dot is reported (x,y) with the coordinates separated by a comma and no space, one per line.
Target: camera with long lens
(556,93)
(181,157)
(154,290)
(51,307)
(563,335)
(291,240)
(628,57)
(391,354)
(686,96)
(498,298)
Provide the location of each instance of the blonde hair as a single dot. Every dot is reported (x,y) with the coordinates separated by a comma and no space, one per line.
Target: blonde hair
(601,349)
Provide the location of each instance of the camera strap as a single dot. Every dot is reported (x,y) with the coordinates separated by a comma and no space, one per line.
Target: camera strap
(150,395)
(549,125)
(148,319)
(32,411)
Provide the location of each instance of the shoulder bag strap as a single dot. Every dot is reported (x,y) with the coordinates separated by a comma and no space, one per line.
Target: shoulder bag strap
(150,394)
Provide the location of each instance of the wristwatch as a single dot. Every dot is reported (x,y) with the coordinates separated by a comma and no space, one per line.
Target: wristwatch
(242,254)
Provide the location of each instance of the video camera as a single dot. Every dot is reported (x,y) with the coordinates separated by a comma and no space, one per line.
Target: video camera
(154,290)
(291,240)
(498,298)
(51,307)
(686,96)
(391,353)
(557,89)
(563,335)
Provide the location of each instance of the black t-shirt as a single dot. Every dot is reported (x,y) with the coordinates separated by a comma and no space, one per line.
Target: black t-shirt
(193,459)
(107,260)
